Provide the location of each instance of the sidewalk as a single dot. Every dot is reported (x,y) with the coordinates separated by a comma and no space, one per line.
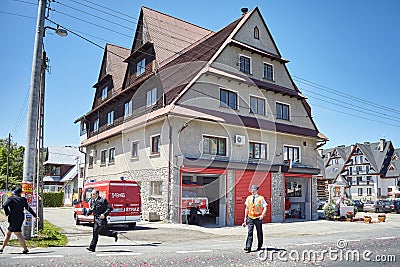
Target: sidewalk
(291,229)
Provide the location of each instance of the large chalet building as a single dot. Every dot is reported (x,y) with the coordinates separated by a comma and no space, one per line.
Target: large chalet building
(218,110)
(371,170)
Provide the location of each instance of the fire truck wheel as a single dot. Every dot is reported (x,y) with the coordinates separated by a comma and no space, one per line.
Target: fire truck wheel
(77,221)
(131,226)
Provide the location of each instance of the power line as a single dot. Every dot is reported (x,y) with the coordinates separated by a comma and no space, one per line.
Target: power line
(337,92)
(87,13)
(97,25)
(14,14)
(352,105)
(299,79)
(352,115)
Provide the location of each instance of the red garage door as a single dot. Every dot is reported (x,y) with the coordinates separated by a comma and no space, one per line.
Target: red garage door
(243,181)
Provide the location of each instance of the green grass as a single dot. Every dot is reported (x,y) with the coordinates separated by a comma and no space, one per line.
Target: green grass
(50,236)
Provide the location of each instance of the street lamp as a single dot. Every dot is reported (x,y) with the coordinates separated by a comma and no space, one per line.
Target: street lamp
(33,112)
(59,31)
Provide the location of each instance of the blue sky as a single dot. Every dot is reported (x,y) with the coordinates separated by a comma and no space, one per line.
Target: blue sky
(349,49)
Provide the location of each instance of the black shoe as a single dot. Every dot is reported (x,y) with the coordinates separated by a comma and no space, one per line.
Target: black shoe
(1,251)
(258,249)
(91,249)
(116,237)
(25,251)
(247,250)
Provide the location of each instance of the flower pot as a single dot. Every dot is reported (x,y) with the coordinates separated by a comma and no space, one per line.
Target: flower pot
(381,219)
(367,220)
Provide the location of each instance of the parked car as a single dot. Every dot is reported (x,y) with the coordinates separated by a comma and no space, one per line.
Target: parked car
(396,205)
(386,206)
(372,206)
(359,205)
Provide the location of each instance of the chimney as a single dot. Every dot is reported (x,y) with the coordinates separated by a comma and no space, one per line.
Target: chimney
(244,10)
(381,144)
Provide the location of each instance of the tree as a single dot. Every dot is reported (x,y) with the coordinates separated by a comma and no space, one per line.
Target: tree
(16,162)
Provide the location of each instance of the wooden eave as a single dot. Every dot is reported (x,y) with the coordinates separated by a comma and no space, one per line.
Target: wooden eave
(103,80)
(258,51)
(141,50)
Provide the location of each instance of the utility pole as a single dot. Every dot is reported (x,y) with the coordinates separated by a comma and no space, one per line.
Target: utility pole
(8,161)
(31,129)
(40,158)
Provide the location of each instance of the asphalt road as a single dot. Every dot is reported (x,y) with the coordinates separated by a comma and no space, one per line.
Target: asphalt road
(318,243)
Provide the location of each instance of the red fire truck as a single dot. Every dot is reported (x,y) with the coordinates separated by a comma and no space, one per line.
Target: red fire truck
(194,196)
(123,196)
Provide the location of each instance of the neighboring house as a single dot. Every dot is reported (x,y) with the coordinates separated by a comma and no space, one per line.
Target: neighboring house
(186,105)
(61,171)
(371,169)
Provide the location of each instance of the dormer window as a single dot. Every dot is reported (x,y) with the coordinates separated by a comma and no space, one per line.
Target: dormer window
(256,33)
(141,67)
(104,93)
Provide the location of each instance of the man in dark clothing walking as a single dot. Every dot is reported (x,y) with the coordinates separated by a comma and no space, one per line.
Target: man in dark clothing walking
(100,209)
(14,210)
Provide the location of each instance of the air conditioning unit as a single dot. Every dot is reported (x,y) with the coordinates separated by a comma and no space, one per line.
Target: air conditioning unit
(240,140)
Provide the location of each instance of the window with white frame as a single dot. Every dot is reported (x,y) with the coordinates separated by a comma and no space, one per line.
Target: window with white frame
(360,191)
(282,111)
(151,97)
(135,149)
(103,157)
(91,158)
(155,144)
(245,64)
(104,93)
(256,33)
(111,155)
(110,117)
(96,125)
(214,145)
(156,188)
(141,67)
(128,109)
(369,191)
(291,153)
(257,150)
(268,71)
(257,105)
(228,98)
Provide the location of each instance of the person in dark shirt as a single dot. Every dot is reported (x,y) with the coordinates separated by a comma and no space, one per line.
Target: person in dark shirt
(14,210)
(100,209)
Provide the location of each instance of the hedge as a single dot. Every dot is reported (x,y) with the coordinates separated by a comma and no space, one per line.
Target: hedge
(53,199)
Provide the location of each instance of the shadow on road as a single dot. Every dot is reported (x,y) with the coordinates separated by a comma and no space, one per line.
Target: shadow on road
(154,244)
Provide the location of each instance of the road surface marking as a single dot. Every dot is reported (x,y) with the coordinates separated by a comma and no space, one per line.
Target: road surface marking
(308,244)
(38,256)
(118,254)
(387,237)
(193,251)
(353,240)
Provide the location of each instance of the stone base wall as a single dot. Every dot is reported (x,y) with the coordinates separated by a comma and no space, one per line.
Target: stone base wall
(152,203)
(277,197)
(314,204)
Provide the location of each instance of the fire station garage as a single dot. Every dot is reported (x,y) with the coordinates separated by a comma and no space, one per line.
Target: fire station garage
(203,192)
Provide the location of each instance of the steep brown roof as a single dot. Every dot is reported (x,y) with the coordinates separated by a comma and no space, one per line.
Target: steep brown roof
(115,65)
(170,35)
(176,74)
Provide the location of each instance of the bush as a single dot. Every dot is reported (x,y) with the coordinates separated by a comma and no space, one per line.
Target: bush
(53,199)
(329,211)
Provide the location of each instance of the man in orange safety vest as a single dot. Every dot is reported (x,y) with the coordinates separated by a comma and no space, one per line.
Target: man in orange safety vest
(256,207)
